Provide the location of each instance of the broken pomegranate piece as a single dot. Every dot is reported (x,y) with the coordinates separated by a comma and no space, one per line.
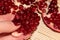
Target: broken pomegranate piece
(28,19)
(52,17)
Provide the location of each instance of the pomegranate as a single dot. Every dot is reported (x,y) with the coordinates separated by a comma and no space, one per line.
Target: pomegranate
(52,17)
(28,20)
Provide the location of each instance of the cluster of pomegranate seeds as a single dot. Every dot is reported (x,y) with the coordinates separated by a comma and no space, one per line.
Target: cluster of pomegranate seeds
(41,5)
(53,8)
(27,2)
(28,20)
(56,22)
(54,17)
(5,6)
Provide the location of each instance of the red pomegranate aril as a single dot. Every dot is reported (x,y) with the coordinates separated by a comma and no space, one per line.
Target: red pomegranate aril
(47,20)
(15,7)
(53,16)
(37,19)
(21,7)
(33,8)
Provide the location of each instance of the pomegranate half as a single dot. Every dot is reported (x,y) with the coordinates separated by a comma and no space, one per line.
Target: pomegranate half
(52,17)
